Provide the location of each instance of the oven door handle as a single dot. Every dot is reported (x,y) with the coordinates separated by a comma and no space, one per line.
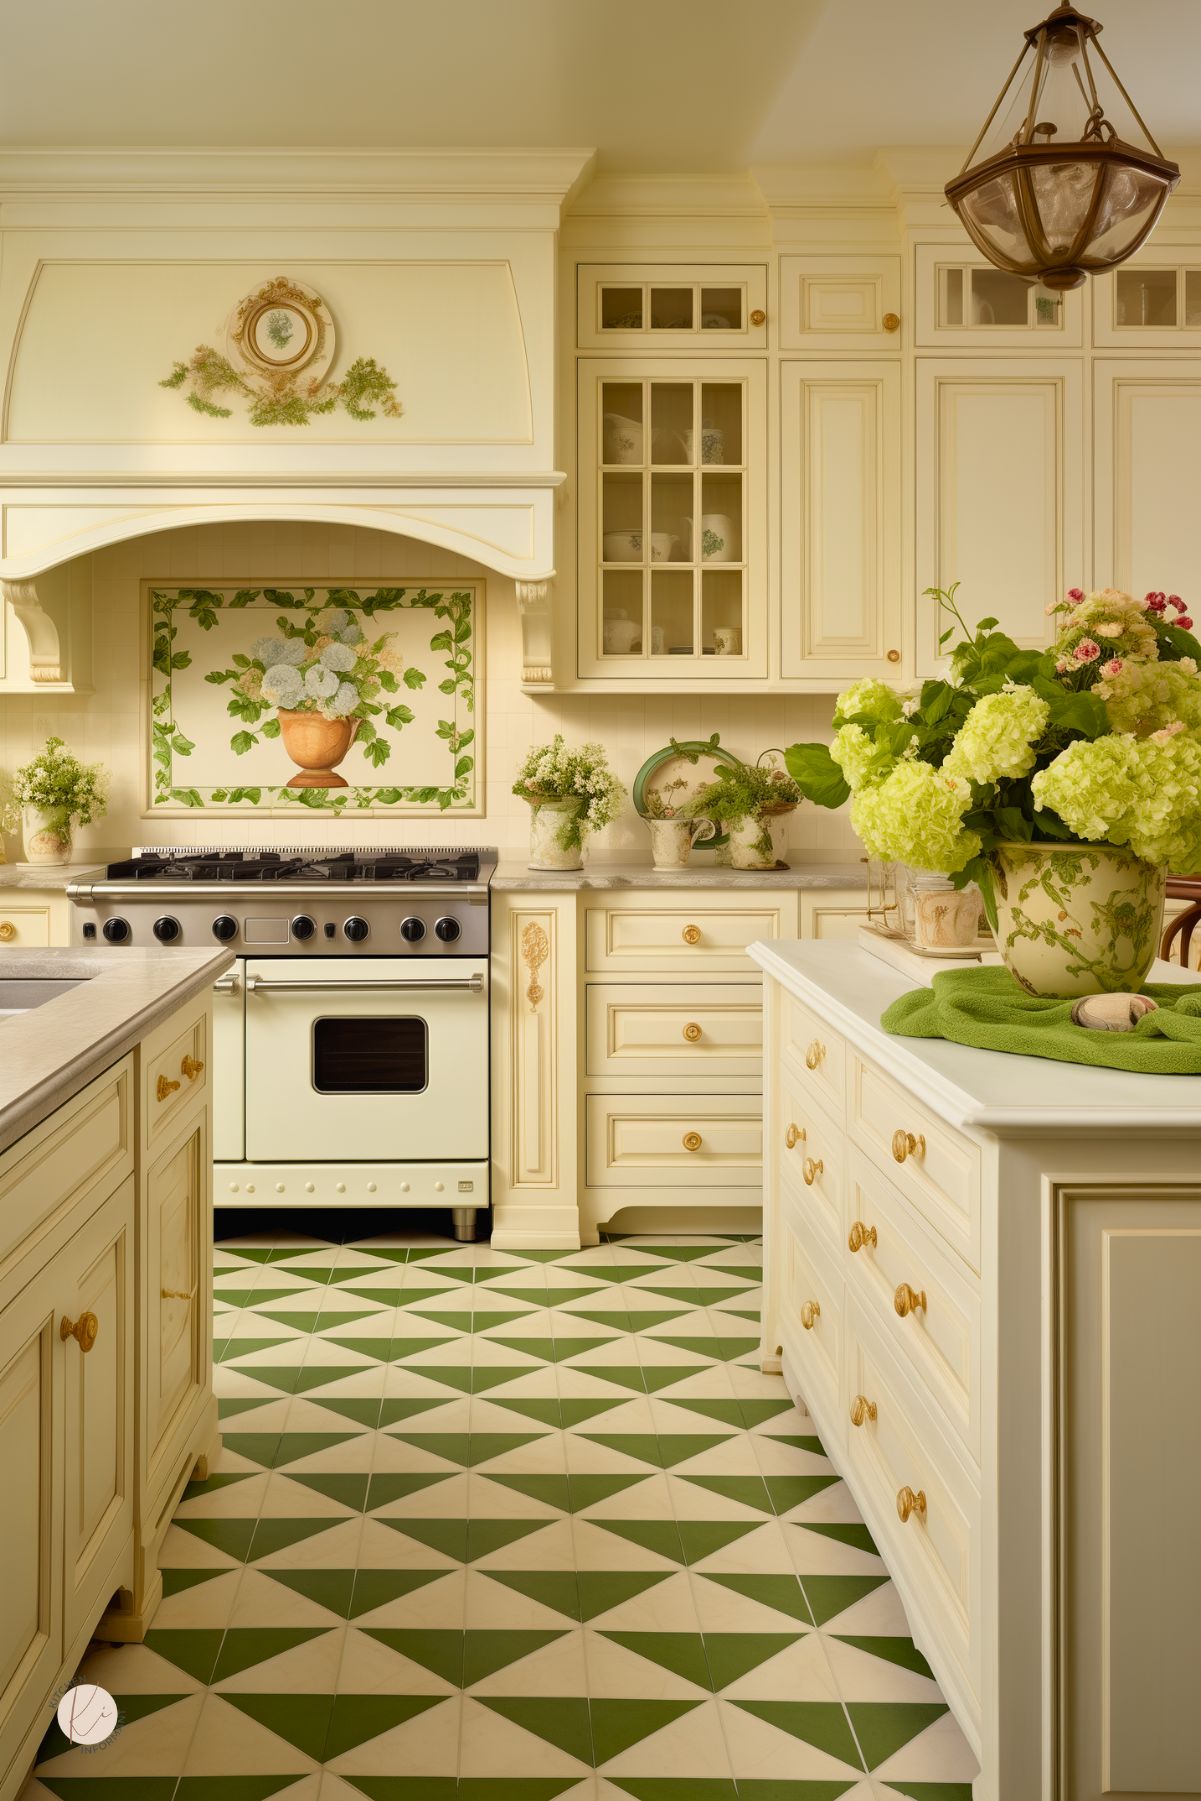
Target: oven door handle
(460,985)
(230,984)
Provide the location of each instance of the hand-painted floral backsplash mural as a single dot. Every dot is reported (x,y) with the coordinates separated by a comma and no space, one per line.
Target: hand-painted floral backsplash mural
(334,698)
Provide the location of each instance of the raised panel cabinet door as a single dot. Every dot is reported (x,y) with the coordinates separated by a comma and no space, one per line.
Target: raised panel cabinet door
(999,492)
(178,1234)
(841,513)
(1129,1477)
(31,1508)
(97,1279)
(1147,426)
(840,303)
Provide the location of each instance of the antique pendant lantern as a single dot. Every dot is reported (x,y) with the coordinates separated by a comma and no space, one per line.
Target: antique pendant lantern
(1065,179)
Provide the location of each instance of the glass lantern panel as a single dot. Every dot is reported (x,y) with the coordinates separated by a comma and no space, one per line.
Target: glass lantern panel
(621,422)
(721,423)
(1130,206)
(672,309)
(991,215)
(672,614)
(672,425)
(1145,297)
(723,626)
(1064,195)
(721,309)
(621,309)
(671,534)
(721,519)
(621,612)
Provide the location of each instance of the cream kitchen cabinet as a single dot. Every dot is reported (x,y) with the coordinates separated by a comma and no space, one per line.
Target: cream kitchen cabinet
(671,306)
(840,514)
(963,302)
(1000,476)
(833,912)
(1147,437)
(33,918)
(1151,302)
(841,303)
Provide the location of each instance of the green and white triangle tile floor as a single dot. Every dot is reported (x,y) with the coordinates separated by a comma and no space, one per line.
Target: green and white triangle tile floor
(489,1527)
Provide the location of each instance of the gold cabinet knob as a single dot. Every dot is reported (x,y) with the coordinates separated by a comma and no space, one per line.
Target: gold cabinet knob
(811,1312)
(691,934)
(692,1032)
(859,1235)
(909,1504)
(83,1330)
(176,1294)
(692,1141)
(758,317)
(811,1169)
(191,1067)
(908,1300)
(907,1144)
(862,1409)
(794,1136)
(165,1086)
(894,656)
(891,321)
(8,931)
(814,1054)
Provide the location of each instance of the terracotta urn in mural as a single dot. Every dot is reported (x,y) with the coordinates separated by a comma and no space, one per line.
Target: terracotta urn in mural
(317,745)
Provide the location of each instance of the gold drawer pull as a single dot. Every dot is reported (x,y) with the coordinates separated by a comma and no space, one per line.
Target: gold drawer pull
(8,931)
(176,1294)
(692,1141)
(191,1067)
(691,934)
(907,1144)
(811,1312)
(894,656)
(859,1235)
(83,1330)
(794,1136)
(811,1169)
(814,1054)
(758,316)
(165,1086)
(909,1504)
(862,1409)
(907,1300)
(692,1031)
(891,321)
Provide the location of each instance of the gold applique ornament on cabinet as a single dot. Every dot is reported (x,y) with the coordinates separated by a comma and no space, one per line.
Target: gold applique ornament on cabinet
(535,949)
(280,345)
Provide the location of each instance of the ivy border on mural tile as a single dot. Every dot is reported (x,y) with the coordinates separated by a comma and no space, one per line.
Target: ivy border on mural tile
(457,604)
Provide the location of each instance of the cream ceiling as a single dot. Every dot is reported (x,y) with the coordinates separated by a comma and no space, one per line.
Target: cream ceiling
(653,84)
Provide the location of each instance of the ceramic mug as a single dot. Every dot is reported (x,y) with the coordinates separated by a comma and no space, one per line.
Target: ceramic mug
(713,444)
(622,438)
(727,641)
(662,545)
(672,840)
(717,537)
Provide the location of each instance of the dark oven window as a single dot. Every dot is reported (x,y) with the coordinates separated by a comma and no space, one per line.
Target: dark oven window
(370,1056)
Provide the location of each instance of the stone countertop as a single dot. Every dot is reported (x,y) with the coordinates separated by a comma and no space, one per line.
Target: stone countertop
(52,1051)
(513,876)
(51,876)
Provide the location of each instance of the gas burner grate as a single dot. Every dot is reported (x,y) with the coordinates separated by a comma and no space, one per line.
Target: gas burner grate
(298,864)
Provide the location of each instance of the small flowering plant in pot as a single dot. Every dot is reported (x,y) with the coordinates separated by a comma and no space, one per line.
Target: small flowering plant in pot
(1065,782)
(749,800)
(49,796)
(571,791)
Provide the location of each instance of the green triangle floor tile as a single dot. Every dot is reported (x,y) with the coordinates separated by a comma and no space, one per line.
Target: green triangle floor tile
(277,1534)
(253,1298)
(176,1581)
(616,1725)
(283,1376)
(213,1484)
(677,1788)
(458,1322)
(129,1708)
(783,1594)
(407,1788)
(364,1493)
(274,1450)
(796,1443)
(734,1413)
(303,1719)
(561,1721)
(232,1788)
(511,1788)
(828,1596)
(748,1491)
(376,1411)
(314,1322)
(751,1313)
(331,1589)
(683,1653)
(642,1378)
(734,1654)
(637,1321)
(472,1378)
(319,1275)
(556,1589)
(882,1727)
(561,1411)
(643,1446)
(544,1297)
(568,1493)
(894,1649)
(376,1588)
(788,1492)
(230,1350)
(617,1273)
(437,1651)
(603,1590)
(781,1789)
(921,1791)
(467,1448)
(660,1536)
(463,1539)
(110,1788)
(694,1297)
(379,1349)
(231,1536)
(678,1253)
(244,1646)
(231,1405)
(190,1649)
(857,1536)
(701,1538)
(551,1350)
(822,1724)
(253,1253)
(663,1450)
(717,1349)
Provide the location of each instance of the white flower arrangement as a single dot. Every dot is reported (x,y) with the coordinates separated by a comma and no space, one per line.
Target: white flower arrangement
(58,785)
(557,772)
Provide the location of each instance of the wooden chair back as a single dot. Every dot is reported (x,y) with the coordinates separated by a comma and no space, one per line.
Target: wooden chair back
(1177,941)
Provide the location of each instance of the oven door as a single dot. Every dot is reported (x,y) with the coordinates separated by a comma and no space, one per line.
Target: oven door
(229,1062)
(380,1060)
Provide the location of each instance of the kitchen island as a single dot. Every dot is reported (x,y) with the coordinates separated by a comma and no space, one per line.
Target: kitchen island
(980,1277)
(106,1400)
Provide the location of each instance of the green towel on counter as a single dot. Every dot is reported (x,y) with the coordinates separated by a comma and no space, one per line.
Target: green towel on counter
(986,1008)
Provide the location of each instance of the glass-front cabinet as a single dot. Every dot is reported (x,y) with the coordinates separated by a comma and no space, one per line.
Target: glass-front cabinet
(666,306)
(672,534)
(1153,303)
(962,302)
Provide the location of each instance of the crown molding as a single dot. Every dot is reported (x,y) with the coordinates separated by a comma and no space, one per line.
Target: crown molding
(668,196)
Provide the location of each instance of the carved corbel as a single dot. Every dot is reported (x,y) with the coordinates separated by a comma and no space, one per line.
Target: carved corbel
(45,648)
(537,648)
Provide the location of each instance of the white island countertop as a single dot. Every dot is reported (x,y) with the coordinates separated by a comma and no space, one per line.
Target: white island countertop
(974,1089)
(52,1051)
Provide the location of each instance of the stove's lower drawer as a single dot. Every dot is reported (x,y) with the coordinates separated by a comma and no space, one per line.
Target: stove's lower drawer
(299,1185)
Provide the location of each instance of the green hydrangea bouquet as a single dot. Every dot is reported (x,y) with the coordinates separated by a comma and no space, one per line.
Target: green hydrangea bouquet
(1094,742)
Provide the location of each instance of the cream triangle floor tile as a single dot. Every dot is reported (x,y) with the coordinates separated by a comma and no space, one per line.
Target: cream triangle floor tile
(531,1661)
(639,1601)
(431,1605)
(755,1602)
(494,1745)
(308,1668)
(816,1744)
(201,1605)
(673,1668)
(261,1601)
(146,1747)
(878,1615)
(239,1491)
(793,1672)
(878,1668)
(385,1545)
(692,1744)
(940,1753)
(336,1546)
(397,1660)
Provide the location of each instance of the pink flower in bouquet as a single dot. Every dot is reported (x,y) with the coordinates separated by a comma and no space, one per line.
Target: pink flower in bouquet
(1174,600)
(1155,602)
(1087,651)
(1075,594)
(1167,732)
(1114,666)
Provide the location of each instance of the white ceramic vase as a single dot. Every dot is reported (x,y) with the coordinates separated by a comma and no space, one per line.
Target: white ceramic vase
(755,842)
(47,836)
(550,824)
(672,840)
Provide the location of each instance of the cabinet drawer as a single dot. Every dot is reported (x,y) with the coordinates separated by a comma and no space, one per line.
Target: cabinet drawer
(938,1341)
(702,934)
(88,1142)
(811,1314)
(937,1554)
(809,1156)
(175,1063)
(643,1030)
(29,926)
(817,1055)
(661,1141)
(936,1169)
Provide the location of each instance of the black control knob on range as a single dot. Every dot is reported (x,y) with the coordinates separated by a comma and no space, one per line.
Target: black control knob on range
(225,928)
(303,927)
(356,929)
(412,930)
(448,930)
(167,930)
(116,930)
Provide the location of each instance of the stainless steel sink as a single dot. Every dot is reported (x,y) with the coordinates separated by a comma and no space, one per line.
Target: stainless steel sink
(18,994)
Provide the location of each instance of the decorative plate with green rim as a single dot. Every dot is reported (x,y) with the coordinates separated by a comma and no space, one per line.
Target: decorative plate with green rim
(678,771)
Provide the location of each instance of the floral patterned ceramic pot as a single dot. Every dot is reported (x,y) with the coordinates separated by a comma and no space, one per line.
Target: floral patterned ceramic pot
(46,835)
(672,840)
(317,745)
(755,842)
(550,824)
(1076,919)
